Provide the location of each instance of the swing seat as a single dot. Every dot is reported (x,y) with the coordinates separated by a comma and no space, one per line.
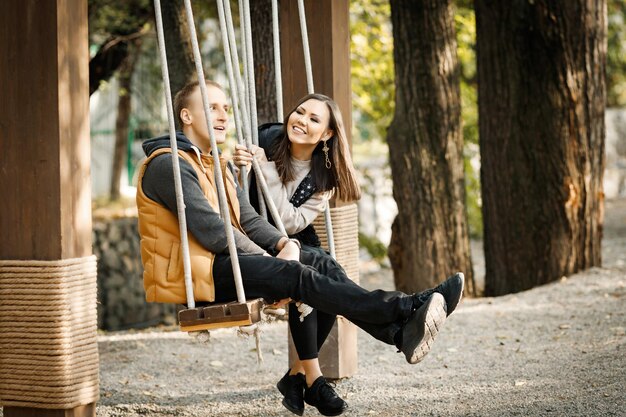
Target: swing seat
(221,315)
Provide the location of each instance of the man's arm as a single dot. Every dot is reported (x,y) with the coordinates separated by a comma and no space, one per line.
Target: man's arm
(202,221)
(256,227)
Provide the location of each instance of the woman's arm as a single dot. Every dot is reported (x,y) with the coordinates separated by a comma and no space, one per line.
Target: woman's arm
(294,218)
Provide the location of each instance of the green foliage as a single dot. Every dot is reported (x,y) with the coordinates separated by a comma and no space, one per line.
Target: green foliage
(465,22)
(117,18)
(371,68)
(373,87)
(376,249)
(616,54)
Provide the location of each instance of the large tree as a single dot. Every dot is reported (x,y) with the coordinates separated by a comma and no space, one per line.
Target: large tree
(429,235)
(541,71)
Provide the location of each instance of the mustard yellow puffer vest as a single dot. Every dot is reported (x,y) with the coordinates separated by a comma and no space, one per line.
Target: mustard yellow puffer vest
(163,276)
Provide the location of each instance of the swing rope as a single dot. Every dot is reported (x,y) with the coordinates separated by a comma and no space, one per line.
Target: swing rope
(277,68)
(180,204)
(240,119)
(311,90)
(230,48)
(246,26)
(219,180)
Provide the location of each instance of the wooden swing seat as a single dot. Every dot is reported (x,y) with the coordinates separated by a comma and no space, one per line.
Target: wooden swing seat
(221,315)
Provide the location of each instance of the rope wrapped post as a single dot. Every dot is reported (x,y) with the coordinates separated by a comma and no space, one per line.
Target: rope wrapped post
(48,342)
(48,321)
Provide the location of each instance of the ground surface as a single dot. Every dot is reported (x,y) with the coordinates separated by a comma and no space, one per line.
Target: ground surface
(556,350)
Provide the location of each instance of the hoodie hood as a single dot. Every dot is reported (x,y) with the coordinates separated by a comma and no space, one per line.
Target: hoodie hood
(151,145)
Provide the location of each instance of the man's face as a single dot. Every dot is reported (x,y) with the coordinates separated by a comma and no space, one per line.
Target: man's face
(193,115)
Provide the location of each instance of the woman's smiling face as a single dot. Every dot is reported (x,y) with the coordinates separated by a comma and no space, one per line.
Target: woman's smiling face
(308,124)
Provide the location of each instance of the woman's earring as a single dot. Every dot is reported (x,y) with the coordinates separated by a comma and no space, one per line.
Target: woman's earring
(326,149)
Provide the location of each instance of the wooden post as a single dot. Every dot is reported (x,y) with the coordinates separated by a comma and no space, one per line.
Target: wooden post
(328,23)
(44,140)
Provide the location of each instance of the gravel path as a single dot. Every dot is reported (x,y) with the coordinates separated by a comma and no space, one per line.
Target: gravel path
(556,350)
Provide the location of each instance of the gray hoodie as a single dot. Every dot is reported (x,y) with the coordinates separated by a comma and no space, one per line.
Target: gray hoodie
(202,221)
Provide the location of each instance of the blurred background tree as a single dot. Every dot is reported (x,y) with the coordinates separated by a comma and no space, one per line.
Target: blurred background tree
(616,54)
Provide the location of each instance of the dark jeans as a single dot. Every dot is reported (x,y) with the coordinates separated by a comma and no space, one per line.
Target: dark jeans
(320,282)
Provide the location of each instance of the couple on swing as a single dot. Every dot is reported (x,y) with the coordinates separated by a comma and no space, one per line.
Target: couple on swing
(304,161)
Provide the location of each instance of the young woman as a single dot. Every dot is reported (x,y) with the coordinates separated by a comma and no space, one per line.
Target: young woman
(304,161)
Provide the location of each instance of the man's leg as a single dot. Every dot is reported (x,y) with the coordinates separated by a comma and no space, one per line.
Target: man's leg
(276,279)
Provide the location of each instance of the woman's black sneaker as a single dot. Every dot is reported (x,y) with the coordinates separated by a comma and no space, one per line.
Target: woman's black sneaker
(451,289)
(322,396)
(292,388)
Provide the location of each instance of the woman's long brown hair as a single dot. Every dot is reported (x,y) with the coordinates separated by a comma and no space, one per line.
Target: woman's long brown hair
(340,177)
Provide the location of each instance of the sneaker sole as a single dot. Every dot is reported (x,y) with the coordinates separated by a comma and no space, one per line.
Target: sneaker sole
(332,413)
(292,409)
(462,276)
(283,390)
(435,317)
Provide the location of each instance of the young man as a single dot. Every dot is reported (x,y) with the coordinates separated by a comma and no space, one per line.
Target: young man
(410,322)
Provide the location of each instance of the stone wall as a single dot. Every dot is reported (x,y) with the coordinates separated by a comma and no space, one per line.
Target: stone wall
(121,298)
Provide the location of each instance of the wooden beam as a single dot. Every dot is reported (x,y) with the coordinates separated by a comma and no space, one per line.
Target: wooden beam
(328,24)
(44,118)
(44,140)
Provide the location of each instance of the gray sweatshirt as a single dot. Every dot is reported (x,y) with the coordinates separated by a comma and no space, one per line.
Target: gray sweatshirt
(202,221)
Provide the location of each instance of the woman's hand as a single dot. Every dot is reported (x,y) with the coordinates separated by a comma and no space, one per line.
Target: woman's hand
(289,252)
(243,156)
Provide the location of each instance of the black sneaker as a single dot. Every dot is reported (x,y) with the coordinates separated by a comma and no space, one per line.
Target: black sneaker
(419,332)
(451,289)
(322,396)
(292,388)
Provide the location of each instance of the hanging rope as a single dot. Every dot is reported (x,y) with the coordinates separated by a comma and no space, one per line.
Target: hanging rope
(309,81)
(263,193)
(277,65)
(180,204)
(246,27)
(305,46)
(219,180)
(234,88)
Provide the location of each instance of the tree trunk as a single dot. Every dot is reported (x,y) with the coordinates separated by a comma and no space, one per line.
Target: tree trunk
(541,99)
(178,46)
(429,235)
(125,76)
(263,47)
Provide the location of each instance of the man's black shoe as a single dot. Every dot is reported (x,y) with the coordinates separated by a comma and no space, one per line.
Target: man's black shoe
(322,396)
(422,327)
(292,388)
(451,289)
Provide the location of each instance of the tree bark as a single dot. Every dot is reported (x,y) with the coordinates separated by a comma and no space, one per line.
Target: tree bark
(429,235)
(541,102)
(263,47)
(178,46)
(125,76)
